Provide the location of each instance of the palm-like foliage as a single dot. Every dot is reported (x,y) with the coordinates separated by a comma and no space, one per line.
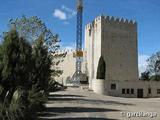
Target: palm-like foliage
(36,99)
(14,110)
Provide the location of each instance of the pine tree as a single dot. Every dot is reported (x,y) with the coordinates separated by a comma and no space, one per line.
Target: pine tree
(41,65)
(31,28)
(15,58)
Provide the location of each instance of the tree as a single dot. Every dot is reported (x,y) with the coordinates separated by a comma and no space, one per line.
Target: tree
(15,54)
(155,78)
(25,70)
(31,29)
(145,75)
(15,58)
(154,65)
(101,69)
(41,64)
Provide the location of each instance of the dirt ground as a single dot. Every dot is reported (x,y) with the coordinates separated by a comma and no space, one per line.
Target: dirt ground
(77,104)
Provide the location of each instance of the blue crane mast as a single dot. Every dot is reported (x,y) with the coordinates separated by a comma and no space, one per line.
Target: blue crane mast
(78,54)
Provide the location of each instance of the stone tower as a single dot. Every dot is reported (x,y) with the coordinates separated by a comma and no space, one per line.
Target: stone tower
(116,40)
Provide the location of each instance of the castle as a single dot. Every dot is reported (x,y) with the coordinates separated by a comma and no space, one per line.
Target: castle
(116,40)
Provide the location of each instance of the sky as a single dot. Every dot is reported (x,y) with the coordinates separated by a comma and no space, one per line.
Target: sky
(60,17)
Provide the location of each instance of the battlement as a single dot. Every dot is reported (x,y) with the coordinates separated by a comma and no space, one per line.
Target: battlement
(89,25)
(117,20)
(113,21)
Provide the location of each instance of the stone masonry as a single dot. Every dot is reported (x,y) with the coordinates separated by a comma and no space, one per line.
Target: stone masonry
(116,40)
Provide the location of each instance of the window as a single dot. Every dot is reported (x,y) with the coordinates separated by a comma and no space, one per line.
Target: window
(127,91)
(158,91)
(123,91)
(149,90)
(113,86)
(132,91)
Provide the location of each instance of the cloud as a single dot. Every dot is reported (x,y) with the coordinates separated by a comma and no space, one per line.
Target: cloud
(60,14)
(142,63)
(64,13)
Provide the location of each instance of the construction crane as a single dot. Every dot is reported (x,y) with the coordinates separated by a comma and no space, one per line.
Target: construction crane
(78,54)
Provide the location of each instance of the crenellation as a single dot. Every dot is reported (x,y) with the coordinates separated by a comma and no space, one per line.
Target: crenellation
(111,19)
(127,22)
(131,22)
(88,26)
(117,20)
(122,20)
(120,23)
(96,18)
(107,18)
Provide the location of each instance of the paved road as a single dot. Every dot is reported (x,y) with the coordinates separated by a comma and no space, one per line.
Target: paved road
(77,104)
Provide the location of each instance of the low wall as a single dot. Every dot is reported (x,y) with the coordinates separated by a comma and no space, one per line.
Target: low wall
(135,86)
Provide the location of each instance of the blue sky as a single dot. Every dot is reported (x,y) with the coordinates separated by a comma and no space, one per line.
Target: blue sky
(60,17)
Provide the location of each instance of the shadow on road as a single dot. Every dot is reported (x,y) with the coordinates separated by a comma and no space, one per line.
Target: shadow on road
(81,118)
(65,95)
(76,109)
(57,113)
(76,98)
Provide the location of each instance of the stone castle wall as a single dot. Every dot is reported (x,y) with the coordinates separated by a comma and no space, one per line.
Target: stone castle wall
(116,40)
(92,48)
(121,54)
(68,66)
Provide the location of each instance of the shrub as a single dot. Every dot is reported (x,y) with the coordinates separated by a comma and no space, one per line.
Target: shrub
(14,110)
(55,86)
(36,99)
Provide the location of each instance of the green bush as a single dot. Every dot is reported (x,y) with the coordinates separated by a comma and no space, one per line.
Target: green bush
(101,69)
(16,109)
(1,89)
(55,86)
(36,99)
